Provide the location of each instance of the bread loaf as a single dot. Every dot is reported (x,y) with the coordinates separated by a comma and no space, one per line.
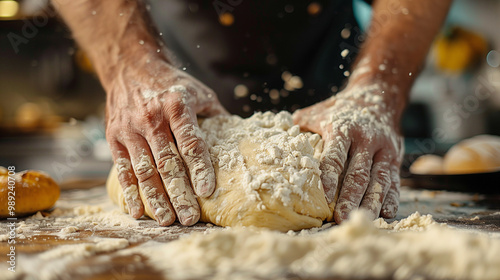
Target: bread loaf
(475,155)
(29,192)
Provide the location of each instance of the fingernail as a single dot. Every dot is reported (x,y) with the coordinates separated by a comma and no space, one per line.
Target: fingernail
(203,187)
(186,217)
(134,211)
(161,216)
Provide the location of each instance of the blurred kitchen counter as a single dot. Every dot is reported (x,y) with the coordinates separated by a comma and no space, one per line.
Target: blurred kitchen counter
(72,153)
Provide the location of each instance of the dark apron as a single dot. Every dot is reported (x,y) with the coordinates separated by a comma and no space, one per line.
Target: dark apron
(266,39)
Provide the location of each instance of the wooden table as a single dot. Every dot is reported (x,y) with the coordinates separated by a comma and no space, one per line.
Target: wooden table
(39,235)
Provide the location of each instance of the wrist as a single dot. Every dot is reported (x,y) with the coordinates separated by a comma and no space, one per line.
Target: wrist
(378,95)
(383,83)
(132,65)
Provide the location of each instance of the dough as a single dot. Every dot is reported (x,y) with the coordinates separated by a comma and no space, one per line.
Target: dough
(427,164)
(34,191)
(267,174)
(474,155)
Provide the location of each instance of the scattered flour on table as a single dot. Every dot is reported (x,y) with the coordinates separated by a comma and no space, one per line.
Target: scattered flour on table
(414,248)
(414,222)
(52,264)
(86,249)
(90,229)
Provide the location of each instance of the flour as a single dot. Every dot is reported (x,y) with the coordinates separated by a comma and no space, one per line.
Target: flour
(150,94)
(285,153)
(67,231)
(414,222)
(85,250)
(417,248)
(43,266)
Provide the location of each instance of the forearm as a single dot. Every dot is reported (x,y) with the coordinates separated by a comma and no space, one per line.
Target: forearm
(397,42)
(115,34)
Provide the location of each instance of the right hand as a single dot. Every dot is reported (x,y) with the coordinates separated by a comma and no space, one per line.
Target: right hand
(152,129)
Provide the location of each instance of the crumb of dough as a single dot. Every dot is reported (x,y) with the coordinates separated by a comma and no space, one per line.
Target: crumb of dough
(68,230)
(414,222)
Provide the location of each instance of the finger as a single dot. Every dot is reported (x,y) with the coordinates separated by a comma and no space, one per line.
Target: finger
(150,185)
(192,149)
(175,179)
(306,119)
(332,163)
(354,185)
(391,201)
(127,179)
(380,182)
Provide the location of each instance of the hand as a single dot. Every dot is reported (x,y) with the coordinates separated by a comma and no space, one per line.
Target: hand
(155,140)
(362,153)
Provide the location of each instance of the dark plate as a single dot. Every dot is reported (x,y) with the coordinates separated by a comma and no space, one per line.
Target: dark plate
(486,183)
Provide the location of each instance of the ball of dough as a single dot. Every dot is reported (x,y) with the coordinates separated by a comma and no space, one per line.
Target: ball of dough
(267,174)
(475,155)
(427,164)
(34,191)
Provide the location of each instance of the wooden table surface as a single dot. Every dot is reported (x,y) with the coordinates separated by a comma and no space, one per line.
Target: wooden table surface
(41,234)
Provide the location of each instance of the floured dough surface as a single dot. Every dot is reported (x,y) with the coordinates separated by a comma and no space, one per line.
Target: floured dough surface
(267,174)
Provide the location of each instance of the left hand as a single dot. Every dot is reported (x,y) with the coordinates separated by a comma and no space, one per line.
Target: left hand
(362,150)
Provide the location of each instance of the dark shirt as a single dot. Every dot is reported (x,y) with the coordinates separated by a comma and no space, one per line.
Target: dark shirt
(266,39)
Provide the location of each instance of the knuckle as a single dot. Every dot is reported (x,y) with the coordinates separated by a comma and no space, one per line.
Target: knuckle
(112,133)
(130,193)
(125,177)
(382,176)
(192,147)
(334,158)
(144,174)
(124,170)
(175,107)
(150,117)
(144,169)
(169,164)
(332,163)
(345,205)
(358,176)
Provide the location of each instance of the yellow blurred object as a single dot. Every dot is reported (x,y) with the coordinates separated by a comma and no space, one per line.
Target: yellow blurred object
(458,50)
(226,19)
(33,191)
(29,116)
(83,61)
(427,164)
(8,8)
(474,155)
(314,8)
(36,116)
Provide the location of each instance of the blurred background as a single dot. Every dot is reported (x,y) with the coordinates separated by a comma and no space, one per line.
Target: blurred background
(52,104)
